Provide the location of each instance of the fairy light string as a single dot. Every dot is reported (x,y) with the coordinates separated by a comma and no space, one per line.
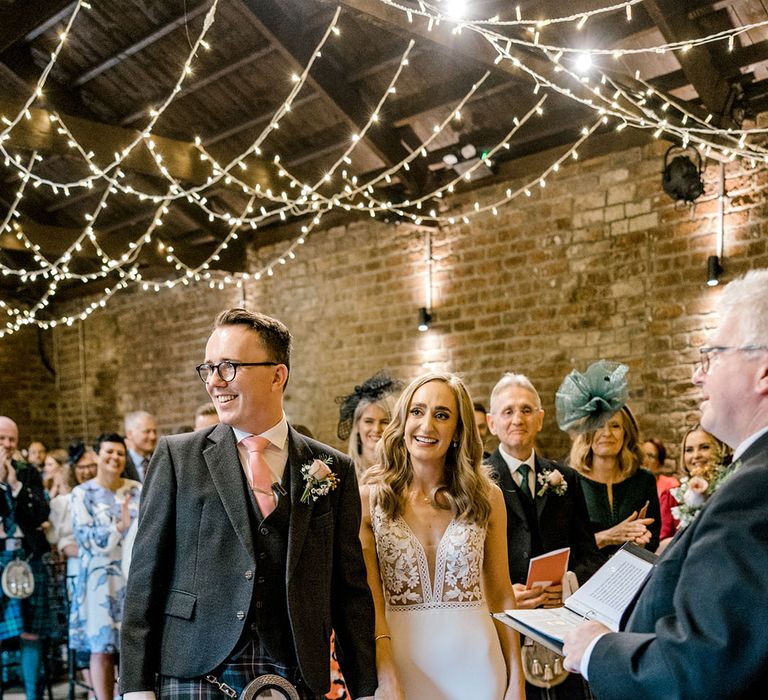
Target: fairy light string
(608,97)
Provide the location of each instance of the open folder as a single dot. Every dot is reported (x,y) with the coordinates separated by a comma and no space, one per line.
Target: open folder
(604,598)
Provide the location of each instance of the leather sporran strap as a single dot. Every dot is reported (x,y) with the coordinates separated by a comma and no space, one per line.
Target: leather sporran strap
(542,666)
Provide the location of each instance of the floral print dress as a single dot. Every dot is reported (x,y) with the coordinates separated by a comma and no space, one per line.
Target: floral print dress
(97,606)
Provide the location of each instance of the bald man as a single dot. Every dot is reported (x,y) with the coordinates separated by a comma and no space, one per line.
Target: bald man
(23,509)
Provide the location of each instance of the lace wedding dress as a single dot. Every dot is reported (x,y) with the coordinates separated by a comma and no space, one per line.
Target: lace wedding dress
(443,638)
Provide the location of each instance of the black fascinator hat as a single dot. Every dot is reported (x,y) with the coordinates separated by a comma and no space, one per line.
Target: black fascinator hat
(372,389)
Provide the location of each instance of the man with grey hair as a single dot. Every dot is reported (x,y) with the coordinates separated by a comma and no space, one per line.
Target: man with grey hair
(140,439)
(698,627)
(545,505)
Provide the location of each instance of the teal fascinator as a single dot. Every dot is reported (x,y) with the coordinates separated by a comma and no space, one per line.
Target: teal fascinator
(585,401)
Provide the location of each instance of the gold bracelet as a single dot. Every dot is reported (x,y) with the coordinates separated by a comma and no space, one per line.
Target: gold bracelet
(381,636)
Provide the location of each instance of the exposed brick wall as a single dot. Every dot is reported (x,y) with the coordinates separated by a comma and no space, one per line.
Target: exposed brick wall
(599,264)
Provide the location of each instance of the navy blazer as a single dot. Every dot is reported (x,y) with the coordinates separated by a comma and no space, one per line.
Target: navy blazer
(191,577)
(560,521)
(698,629)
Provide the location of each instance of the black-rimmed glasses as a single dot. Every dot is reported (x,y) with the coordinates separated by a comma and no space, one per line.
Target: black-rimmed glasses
(227,369)
(706,352)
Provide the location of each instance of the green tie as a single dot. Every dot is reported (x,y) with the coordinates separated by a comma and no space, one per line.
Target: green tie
(525,487)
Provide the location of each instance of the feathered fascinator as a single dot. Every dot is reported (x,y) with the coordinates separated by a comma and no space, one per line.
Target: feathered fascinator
(373,389)
(75,452)
(585,401)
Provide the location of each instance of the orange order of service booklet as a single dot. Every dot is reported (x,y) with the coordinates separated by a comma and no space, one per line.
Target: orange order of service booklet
(548,569)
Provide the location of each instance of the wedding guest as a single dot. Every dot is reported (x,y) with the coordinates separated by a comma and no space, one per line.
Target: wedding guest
(545,511)
(481,421)
(702,457)
(23,510)
(654,457)
(55,477)
(621,497)
(102,512)
(80,467)
(697,630)
(433,536)
(363,415)
(206,416)
(140,441)
(36,453)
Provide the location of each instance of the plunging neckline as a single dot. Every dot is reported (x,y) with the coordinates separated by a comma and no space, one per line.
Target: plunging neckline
(421,553)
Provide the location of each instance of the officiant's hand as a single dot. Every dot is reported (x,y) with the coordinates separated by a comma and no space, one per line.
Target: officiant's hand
(576,641)
(529,598)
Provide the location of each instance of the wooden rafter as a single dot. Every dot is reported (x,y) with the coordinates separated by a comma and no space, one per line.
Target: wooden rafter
(710,79)
(324,79)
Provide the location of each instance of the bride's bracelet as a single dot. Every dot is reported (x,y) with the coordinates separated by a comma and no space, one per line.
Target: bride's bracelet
(381,636)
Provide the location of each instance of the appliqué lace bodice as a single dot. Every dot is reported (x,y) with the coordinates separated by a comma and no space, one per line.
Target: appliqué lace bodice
(405,574)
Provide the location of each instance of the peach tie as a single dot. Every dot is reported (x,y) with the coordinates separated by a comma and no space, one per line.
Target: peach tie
(261,476)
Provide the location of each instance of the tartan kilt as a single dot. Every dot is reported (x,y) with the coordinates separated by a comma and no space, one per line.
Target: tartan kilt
(252,661)
(31,614)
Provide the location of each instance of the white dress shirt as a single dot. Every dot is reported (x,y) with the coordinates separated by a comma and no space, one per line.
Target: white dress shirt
(514,464)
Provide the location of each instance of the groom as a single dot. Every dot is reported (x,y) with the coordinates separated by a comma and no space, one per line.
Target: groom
(232,575)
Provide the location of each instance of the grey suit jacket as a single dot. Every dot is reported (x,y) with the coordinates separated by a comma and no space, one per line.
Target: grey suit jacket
(191,579)
(699,627)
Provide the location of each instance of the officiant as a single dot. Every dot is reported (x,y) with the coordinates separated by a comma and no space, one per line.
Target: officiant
(697,630)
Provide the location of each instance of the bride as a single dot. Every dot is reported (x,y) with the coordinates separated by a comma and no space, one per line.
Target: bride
(433,534)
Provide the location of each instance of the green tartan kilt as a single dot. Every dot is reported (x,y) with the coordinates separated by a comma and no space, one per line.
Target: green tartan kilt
(31,614)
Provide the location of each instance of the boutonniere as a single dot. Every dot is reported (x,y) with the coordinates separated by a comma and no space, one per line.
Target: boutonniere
(319,477)
(695,491)
(552,480)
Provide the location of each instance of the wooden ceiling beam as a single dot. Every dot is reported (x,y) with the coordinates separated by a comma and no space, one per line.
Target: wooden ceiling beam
(709,78)
(22,20)
(144,42)
(195,85)
(333,86)
(179,157)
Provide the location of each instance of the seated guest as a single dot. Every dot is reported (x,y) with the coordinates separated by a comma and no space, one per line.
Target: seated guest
(621,497)
(23,510)
(102,512)
(654,456)
(363,415)
(701,455)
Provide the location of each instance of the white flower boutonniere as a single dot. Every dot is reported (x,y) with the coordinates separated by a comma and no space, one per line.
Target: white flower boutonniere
(552,480)
(319,477)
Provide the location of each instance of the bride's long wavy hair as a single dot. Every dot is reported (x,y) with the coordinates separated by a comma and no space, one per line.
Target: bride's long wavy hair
(467,487)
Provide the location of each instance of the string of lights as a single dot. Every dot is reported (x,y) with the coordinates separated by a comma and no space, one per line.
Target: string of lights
(628,106)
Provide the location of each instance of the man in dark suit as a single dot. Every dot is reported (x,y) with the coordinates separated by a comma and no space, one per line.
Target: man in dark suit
(698,628)
(539,518)
(141,440)
(231,578)
(23,510)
